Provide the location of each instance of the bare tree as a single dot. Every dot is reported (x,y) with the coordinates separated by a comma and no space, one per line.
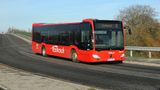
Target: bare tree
(144,26)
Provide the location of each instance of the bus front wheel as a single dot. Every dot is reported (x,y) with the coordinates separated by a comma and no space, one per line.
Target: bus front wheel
(74,56)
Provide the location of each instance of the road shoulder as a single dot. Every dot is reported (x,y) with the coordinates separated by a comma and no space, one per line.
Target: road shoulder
(15,79)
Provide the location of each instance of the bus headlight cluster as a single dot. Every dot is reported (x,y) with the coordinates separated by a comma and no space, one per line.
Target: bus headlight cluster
(96,56)
(122,55)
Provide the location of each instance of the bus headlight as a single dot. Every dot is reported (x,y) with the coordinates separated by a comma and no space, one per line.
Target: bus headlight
(122,55)
(96,56)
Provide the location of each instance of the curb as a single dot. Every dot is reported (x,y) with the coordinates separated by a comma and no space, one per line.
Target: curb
(28,41)
(142,63)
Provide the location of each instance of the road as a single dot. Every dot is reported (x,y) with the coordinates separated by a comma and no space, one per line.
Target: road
(17,53)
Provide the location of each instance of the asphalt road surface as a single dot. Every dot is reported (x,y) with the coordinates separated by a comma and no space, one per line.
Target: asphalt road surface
(17,53)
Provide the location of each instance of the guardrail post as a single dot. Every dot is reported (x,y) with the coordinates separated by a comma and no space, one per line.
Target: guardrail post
(150,54)
(131,53)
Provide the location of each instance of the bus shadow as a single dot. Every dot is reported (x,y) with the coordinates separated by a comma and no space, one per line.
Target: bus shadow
(89,63)
(105,63)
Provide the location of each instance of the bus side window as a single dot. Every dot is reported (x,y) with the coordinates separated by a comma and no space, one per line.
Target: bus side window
(85,34)
(37,34)
(44,35)
(76,37)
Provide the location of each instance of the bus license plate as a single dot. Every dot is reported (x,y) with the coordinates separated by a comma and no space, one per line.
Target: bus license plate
(111,59)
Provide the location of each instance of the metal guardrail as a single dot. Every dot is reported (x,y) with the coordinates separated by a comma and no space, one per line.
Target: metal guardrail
(142,48)
(137,48)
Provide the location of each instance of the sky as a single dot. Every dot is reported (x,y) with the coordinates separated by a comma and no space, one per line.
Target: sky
(22,13)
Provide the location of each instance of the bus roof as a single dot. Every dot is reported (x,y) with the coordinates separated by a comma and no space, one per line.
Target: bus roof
(52,24)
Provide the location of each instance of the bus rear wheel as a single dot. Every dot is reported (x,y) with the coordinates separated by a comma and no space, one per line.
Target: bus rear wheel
(74,56)
(44,51)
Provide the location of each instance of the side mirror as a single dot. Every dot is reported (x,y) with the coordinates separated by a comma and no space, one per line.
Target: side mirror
(129,31)
(126,28)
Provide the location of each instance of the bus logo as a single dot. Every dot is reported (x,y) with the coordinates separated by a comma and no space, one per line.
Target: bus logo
(110,55)
(56,49)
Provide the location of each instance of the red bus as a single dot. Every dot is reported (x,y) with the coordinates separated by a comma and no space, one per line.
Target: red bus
(91,40)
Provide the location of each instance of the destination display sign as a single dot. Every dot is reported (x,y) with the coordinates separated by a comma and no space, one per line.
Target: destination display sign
(107,25)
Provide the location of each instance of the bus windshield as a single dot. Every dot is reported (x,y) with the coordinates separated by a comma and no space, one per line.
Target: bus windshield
(109,36)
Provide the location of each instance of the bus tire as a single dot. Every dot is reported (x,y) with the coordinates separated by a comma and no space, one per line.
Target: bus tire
(120,62)
(44,51)
(74,56)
